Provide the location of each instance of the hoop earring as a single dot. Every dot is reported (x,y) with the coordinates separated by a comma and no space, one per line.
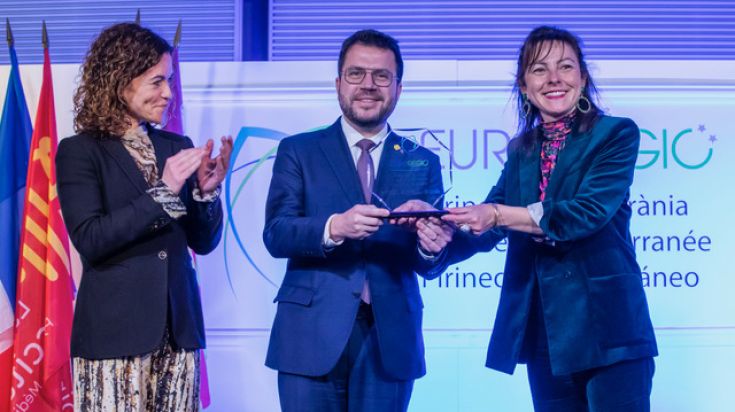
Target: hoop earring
(526,106)
(583,104)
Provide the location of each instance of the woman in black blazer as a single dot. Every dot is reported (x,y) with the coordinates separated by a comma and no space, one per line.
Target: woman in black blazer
(134,199)
(572,306)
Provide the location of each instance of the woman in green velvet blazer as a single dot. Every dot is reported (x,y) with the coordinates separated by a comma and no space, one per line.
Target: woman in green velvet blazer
(572,304)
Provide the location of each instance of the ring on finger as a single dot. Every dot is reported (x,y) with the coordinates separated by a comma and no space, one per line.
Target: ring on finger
(465,228)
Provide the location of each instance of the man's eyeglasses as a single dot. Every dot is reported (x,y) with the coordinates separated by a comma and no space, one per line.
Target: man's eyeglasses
(355,75)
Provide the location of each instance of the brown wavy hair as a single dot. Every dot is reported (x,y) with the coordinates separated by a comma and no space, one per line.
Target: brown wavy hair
(536,47)
(118,55)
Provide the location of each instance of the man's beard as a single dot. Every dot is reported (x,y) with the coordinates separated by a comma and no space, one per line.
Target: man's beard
(366,123)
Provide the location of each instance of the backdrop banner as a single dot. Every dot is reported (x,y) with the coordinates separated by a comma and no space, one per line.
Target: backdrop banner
(681,199)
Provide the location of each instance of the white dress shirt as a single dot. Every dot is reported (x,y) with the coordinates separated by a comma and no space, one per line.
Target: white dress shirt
(353,136)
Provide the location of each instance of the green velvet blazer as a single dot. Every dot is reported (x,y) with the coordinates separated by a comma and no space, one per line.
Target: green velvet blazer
(594,306)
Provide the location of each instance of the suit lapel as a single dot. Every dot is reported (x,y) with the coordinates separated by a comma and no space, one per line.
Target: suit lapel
(338,156)
(114,147)
(530,173)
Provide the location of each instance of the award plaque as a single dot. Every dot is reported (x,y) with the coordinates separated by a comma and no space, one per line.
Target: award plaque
(413,169)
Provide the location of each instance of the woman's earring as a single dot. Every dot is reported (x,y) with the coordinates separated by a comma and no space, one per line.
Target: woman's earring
(583,104)
(526,106)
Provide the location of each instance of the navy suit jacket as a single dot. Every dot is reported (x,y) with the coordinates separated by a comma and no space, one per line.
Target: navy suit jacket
(314,176)
(594,306)
(137,272)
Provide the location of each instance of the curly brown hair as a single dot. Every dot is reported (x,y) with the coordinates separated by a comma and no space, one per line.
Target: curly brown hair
(118,55)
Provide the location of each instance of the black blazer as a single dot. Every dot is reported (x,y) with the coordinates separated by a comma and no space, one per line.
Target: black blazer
(137,271)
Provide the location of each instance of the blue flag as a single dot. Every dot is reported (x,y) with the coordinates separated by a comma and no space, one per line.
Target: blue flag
(15,140)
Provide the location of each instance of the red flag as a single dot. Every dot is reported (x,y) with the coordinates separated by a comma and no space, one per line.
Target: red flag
(41,359)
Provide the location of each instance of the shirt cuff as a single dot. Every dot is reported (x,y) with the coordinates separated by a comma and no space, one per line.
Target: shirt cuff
(536,210)
(327,241)
(429,257)
(197,195)
(169,200)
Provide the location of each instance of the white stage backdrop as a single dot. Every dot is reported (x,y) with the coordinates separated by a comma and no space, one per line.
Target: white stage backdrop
(682,202)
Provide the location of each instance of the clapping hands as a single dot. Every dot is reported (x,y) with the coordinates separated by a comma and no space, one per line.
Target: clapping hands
(212,171)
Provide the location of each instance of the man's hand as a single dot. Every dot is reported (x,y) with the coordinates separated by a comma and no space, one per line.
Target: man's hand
(358,222)
(434,235)
(180,166)
(410,206)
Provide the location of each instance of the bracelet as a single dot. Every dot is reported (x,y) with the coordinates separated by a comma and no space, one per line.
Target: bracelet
(498,216)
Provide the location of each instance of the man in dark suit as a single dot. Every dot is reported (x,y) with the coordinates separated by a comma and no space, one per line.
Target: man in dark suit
(347,333)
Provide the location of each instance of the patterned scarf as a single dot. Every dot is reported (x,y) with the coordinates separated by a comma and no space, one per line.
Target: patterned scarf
(555,136)
(138,144)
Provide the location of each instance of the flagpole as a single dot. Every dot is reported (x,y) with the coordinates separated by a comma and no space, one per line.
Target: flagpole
(44,36)
(177,36)
(9,33)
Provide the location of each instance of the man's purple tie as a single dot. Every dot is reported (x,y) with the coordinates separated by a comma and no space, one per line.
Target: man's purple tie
(365,168)
(366,171)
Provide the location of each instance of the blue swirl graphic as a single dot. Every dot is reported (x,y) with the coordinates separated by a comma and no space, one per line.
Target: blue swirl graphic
(231,199)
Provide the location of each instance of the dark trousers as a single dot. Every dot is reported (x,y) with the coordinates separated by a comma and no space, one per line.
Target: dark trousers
(620,387)
(356,384)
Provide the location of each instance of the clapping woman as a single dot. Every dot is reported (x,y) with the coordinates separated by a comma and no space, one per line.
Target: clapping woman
(134,199)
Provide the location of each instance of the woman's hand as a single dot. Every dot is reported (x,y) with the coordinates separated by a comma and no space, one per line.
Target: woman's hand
(180,166)
(212,172)
(476,219)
